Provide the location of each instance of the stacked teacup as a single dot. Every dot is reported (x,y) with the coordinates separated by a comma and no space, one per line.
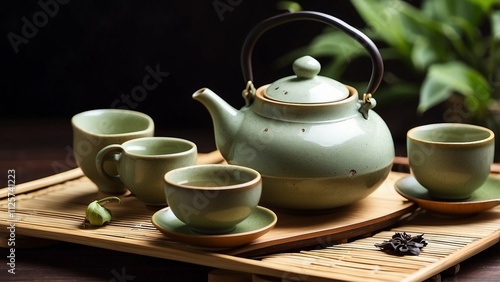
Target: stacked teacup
(116,149)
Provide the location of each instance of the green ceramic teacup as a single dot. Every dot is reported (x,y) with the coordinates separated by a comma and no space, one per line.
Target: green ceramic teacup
(96,129)
(213,198)
(140,164)
(450,160)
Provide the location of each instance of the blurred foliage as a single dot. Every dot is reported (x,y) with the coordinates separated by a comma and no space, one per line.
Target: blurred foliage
(289,6)
(441,47)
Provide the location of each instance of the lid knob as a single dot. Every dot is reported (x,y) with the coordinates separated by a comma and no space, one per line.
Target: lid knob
(306,86)
(306,67)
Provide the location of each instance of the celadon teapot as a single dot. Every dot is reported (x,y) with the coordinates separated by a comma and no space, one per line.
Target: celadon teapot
(317,145)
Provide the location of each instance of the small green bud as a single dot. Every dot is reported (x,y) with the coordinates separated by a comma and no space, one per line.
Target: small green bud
(97,214)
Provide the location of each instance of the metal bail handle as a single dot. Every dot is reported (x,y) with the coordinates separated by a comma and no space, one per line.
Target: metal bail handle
(261,28)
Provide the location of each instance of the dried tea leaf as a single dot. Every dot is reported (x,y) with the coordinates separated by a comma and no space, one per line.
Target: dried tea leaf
(402,244)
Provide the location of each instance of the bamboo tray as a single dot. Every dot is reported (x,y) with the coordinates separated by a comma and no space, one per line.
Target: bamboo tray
(54,208)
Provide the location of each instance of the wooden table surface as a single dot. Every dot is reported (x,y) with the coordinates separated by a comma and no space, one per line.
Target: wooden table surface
(39,148)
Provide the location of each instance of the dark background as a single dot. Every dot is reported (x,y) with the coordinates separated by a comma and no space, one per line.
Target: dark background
(62,57)
(89,53)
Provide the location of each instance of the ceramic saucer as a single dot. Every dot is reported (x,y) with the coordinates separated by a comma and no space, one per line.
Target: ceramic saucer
(484,198)
(257,224)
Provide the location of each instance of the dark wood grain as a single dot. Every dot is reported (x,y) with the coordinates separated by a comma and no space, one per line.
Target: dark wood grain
(39,148)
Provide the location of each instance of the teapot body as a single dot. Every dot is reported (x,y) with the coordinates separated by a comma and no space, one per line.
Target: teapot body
(312,157)
(316,146)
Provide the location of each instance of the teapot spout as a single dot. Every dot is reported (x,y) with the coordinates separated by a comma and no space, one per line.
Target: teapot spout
(225,118)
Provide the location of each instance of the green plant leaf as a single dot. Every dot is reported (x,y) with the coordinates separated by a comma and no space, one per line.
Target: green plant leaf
(290,6)
(495,25)
(443,80)
(337,44)
(332,44)
(432,93)
(391,94)
(485,5)
(423,54)
(383,17)
(459,23)
(404,27)
(469,11)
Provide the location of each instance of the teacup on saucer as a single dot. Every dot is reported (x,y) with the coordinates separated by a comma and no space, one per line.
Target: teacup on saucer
(484,198)
(260,221)
(451,160)
(212,198)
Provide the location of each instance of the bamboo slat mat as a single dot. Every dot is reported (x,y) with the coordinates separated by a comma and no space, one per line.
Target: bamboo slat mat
(55,210)
(450,241)
(58,211)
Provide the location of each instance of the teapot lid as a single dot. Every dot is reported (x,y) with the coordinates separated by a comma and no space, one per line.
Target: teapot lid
(306,86)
